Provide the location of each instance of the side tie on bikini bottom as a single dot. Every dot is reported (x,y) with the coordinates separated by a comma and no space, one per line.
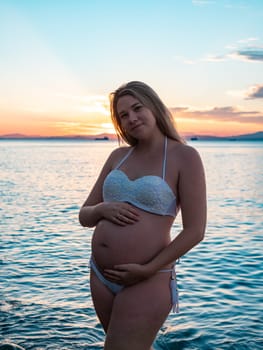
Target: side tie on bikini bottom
(173,288)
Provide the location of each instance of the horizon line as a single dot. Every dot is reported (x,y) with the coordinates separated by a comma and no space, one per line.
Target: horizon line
(111,136)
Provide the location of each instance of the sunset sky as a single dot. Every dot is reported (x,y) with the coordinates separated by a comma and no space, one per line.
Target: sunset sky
(59,60)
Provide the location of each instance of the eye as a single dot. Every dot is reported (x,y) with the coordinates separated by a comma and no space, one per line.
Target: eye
(123,115)
(137,108)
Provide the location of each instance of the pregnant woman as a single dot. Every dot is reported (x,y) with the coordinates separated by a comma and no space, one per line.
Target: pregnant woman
(133,205)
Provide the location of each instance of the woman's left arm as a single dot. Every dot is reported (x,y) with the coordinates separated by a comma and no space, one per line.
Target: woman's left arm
(192,197)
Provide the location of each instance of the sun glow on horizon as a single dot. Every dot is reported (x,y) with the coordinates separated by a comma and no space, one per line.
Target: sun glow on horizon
(94,119)
(55,78)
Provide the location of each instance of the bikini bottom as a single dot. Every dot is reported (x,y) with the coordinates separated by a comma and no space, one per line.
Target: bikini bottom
(115,288)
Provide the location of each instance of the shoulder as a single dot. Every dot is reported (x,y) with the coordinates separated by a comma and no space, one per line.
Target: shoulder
(182,149)
(187,152)
(117,154)
(187,157)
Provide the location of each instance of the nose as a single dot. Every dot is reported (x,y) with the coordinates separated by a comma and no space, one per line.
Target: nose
(132,117)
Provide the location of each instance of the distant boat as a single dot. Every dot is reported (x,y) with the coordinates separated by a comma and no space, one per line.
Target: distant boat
(105,138)
(194,138)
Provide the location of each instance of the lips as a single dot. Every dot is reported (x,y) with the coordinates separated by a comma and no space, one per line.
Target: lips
(135,127)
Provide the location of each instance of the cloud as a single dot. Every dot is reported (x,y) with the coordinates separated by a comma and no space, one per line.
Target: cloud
(254,92)
(236,6)
(179,109)
(78,128)
(202,2)
(98,104)
(237,93)
(225,5)
(215,58)
(219,114)
(244,49)
(247,54)
(248,40)
(250,54)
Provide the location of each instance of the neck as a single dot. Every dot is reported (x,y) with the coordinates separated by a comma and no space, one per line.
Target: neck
(152,144)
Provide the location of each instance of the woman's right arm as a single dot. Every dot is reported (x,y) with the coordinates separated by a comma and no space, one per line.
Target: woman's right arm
(94,208)
(90,215)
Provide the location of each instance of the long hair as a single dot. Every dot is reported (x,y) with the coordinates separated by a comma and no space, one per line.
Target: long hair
(149,98)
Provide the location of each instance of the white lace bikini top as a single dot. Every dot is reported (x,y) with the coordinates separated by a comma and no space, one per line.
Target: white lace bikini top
(150,193)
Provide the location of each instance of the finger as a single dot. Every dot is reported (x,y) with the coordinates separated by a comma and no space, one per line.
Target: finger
(123,220)
(128,216)
(113,279)
(118,221)
(112,275)
(111,272)
(127,220)
(130,209)
(121,267)
(132,216)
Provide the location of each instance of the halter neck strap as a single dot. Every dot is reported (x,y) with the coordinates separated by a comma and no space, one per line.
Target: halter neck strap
(124,158)
(164,156)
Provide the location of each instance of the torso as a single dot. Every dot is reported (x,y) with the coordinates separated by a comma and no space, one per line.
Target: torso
(136,243)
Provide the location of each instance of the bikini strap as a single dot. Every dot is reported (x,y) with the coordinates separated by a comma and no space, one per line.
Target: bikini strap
(124,158)
(164,157)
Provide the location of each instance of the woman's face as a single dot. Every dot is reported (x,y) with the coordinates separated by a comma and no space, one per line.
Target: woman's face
(136,119)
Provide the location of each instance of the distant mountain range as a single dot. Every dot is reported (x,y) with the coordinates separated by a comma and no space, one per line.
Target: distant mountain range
(257,136)
(99,137)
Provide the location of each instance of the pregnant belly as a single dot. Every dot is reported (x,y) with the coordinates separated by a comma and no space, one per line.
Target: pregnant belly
(137,243)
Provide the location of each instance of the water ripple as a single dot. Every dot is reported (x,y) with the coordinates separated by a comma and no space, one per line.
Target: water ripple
(45,301)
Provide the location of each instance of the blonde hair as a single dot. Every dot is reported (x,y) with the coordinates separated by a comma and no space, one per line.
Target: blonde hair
(149,98)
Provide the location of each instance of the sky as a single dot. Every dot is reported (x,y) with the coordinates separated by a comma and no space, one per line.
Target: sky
(60,59)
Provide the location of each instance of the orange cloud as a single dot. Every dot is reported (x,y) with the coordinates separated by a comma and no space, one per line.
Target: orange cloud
(220,121)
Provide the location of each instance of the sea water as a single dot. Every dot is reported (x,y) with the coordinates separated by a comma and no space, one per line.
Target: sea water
(45,300)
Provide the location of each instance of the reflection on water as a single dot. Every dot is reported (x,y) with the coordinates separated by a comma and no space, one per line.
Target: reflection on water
(45,297)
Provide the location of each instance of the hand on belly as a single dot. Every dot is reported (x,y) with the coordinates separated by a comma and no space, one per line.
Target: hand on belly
(127,274)
(120,213)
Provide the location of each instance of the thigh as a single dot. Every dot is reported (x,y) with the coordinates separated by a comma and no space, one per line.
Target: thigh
(102,299)
(138,313)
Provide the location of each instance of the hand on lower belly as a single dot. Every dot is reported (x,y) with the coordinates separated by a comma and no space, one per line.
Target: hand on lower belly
(127,274)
